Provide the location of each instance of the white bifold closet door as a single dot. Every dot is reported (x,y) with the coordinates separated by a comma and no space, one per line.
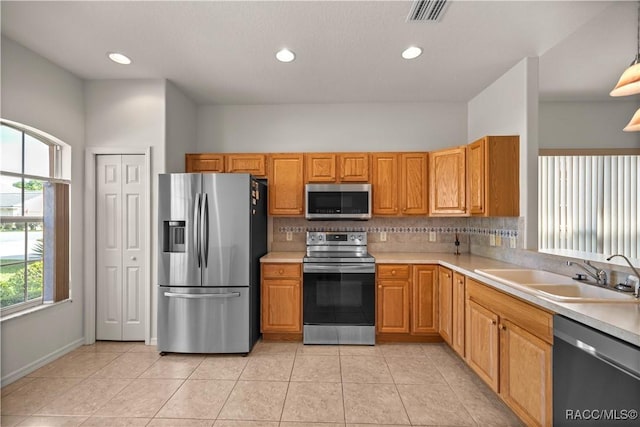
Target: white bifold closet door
(120,247)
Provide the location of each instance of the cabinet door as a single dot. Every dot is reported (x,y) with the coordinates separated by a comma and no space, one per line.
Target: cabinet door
(385,183)
(476,170)
(204,162)
(482,343)
(445,297)
(457,314)
(353,167)
(447,186)
(320,167)
(393,306)
(424,296)
(413,184)
(286,186)
(525,374)
(255,164)
(281,304)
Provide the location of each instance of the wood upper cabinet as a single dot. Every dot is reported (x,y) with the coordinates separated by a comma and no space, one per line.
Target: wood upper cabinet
(447,182)
(413,183)
(281,298)
(392,298)
(445,306)
(353,167)
(204,162)
(482,343)
(424,304)
(493,176)
(384,183)
(336,167)
(457,314)
(525,374)
(286,184)
(320,167)
(254,164)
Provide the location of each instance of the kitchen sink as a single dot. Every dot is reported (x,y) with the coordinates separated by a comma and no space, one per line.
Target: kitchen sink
(556,286)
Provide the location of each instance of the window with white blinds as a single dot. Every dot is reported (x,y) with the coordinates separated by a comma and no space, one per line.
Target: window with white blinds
(589,203)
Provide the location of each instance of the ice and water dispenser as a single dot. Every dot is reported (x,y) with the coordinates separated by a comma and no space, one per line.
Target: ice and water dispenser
(174,236)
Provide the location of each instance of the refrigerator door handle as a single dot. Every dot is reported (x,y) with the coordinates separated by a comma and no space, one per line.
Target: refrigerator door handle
(202,296)
(205,229)
(196,228)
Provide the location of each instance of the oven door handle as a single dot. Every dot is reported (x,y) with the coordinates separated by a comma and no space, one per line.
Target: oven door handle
(338,268)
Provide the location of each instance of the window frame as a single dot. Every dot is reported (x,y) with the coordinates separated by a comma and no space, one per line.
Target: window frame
(58,285)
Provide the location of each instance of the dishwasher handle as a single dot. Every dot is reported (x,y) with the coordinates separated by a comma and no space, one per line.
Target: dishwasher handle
(610,350)
(201,296)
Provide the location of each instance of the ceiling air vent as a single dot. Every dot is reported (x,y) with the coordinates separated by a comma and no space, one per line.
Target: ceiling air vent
(427,10)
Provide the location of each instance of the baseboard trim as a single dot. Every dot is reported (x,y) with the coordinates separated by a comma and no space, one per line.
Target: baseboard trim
(26,370)
(153,341)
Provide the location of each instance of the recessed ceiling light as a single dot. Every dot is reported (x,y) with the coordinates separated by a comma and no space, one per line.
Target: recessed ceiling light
(411,52)
(285,55)
(119,58)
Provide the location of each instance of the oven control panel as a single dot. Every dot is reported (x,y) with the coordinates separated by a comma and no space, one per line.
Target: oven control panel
(353,238)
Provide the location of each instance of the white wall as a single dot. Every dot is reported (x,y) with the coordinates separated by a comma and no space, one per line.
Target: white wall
(331,127)
(131,113)
(595,124)
(38,93)
(181,128)
(509,106)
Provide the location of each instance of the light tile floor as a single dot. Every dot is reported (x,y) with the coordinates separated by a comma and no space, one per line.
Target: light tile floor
(279,384)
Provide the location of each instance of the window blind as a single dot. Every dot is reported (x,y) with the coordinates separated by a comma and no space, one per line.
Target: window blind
(589,203)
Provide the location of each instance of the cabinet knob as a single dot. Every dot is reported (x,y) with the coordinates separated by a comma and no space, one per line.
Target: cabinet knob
(447,275)
(493,322)
(379,286)
(393,272)
(503,327)
(281,271)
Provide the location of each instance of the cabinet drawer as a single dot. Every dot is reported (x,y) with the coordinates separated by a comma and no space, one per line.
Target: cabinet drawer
(281,270)
(393,271)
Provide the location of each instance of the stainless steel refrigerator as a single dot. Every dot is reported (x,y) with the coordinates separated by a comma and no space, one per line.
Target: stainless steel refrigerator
(213,231)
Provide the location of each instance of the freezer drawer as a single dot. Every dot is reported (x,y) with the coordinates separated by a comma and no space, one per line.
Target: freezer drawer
(203,320)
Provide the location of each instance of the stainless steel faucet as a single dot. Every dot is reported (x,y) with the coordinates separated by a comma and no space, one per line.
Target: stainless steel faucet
(598,274)
(637,290)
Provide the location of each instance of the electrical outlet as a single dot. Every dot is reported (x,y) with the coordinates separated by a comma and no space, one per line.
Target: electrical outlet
(383,236)
(289,236)
(432,236)
(492,239)
(498,240)
(512,242)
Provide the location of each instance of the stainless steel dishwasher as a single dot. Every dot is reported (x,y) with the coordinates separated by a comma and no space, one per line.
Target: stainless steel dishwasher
(596,377)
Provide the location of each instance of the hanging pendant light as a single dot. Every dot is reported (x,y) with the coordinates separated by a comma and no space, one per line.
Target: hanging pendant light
(629,83)
(634,124)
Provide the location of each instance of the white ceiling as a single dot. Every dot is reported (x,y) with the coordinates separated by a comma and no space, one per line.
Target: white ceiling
(223,52)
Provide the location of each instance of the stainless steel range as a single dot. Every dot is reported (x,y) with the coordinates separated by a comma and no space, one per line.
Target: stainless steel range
(338,289)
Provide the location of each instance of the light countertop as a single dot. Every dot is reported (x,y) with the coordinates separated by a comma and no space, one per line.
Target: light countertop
(621,320)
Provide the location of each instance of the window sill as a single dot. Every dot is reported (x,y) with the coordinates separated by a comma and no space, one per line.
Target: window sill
(30,310)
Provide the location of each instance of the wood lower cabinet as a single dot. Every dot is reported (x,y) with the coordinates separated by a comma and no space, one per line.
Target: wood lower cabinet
(204,162)
(445,306)
(392,302)
(407,301)
(424,300)
(525,374)
(286,184)
(482,343)
(447,182)
(493,176)
(458,314)
(509,345)
(281,298)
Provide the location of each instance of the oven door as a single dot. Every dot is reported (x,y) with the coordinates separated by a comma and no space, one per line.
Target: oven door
(339,294)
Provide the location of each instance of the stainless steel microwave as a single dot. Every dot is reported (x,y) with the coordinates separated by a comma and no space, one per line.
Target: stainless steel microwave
(338,201)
